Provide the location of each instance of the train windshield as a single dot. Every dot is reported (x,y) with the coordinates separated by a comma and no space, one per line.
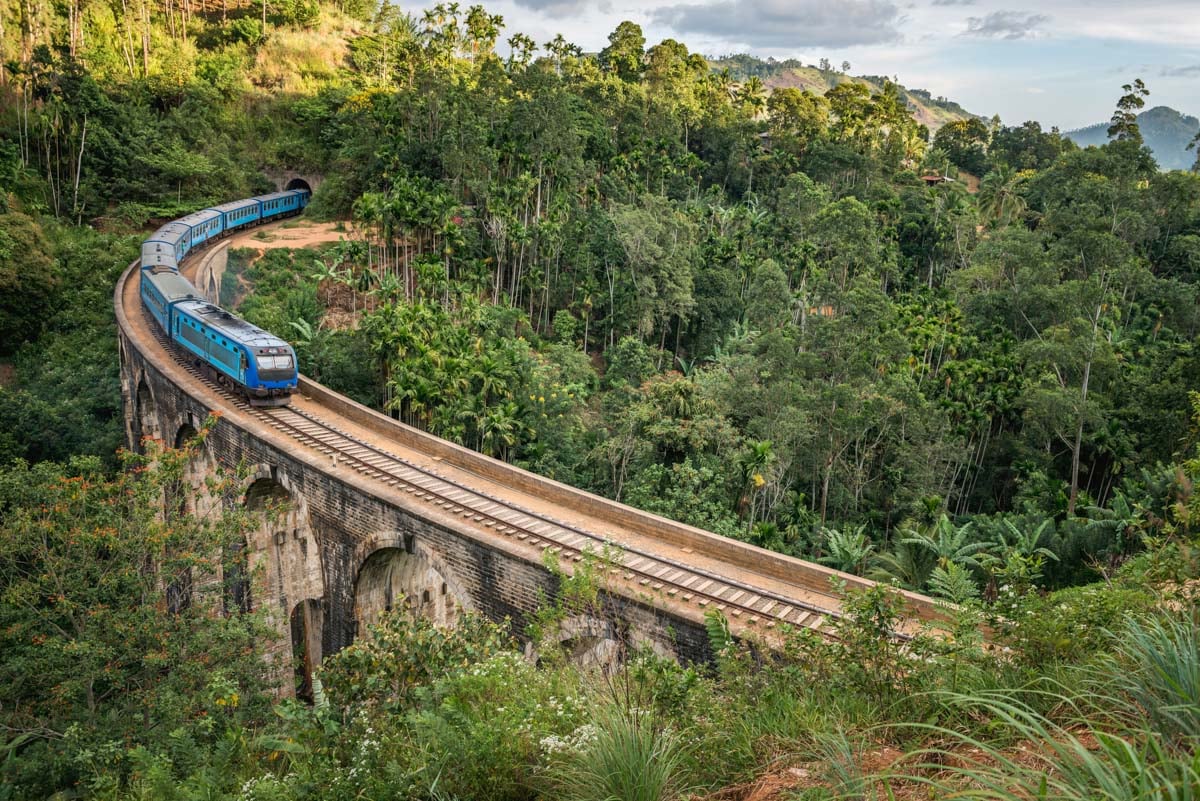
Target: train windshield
(275,362)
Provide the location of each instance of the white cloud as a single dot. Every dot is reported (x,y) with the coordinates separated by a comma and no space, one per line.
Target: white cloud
(1006,25)
(772,24)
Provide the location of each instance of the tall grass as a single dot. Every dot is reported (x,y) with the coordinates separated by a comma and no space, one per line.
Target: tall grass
(630,757)
(1157,667)
(1041,759)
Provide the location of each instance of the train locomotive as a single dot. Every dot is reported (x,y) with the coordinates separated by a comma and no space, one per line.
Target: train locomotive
(255,362)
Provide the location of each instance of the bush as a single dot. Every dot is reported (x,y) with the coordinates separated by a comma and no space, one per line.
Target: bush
(246,29)
(1071,625)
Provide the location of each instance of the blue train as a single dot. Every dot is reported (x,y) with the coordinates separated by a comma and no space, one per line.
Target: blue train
(237,353)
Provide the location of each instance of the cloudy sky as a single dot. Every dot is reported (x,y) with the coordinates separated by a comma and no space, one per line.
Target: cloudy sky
(1061,62)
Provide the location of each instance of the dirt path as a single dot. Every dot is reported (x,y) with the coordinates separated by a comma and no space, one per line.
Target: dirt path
(292,234)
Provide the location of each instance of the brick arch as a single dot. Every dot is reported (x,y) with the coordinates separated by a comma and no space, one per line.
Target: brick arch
(145,423)
(590,642)
(194,481)
(392,566)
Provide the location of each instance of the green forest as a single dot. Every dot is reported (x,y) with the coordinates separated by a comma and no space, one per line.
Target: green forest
(960,361)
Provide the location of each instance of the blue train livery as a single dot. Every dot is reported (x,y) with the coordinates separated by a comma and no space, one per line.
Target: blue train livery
(166,246)
(282,203)
(160,289)
(260,364)
(238,214)
(243,353)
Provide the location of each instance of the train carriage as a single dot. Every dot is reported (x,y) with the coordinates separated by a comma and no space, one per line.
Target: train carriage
(205,225)
(160,288)
(283,204)
(166,246)
(239,213)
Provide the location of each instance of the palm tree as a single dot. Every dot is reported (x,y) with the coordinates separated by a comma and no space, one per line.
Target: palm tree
(390,288)
(723,82)
(1121,521)
(1017,557)
(752,463)
(753,96)
(907,565)
(998,197)
(499,429)
(1023,541)
(937,162)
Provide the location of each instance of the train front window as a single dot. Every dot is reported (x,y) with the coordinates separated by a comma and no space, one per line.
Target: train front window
(275,362)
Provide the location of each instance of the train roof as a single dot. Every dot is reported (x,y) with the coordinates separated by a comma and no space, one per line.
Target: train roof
(233,205)
(198,217)
(279,195)
(171,232)
(171,284)
(230,325)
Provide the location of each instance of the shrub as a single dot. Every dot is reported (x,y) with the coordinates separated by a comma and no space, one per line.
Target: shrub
(1071,625)
(1060,761)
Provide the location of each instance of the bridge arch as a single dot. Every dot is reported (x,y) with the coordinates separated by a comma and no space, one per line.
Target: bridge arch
(145,423)
(395,569)
(590,642)
(284,563)
(305,625)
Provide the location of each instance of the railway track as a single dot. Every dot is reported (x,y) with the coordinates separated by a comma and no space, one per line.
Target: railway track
(652,575)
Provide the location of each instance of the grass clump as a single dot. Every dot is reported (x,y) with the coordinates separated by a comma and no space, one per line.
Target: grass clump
(623,753)
(1156,666)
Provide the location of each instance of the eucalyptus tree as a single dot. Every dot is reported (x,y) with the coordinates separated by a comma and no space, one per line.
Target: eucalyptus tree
(1124,125)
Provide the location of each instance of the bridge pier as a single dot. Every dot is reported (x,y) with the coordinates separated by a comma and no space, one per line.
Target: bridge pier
(287,577)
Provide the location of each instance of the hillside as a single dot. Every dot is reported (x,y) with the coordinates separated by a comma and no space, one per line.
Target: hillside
(932,112)
(1167,132)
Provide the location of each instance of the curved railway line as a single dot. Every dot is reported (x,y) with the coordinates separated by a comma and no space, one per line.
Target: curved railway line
(645,557)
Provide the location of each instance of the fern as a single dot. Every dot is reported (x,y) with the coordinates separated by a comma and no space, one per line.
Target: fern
(954,583)
(719,637)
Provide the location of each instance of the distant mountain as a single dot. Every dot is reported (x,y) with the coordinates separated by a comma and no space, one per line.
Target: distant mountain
(933,112)
(1165,130)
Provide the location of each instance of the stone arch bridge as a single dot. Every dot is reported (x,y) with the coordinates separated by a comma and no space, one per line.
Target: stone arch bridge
(374,511)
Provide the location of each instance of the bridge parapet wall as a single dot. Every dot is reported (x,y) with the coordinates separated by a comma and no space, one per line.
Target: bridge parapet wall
(344,519)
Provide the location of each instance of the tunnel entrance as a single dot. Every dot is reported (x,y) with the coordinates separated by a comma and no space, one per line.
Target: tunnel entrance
(298,183)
